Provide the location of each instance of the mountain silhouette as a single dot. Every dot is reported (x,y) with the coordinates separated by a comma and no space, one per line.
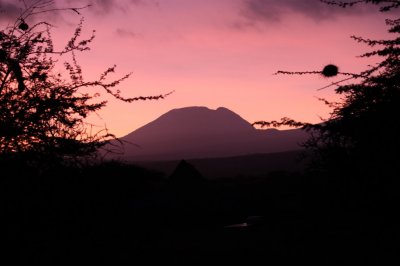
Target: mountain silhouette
(200,132)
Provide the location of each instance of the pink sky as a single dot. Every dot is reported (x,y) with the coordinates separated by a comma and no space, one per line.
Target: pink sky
(220,53)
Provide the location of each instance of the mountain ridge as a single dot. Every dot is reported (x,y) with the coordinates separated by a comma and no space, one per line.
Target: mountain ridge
(189,114)
(200,132)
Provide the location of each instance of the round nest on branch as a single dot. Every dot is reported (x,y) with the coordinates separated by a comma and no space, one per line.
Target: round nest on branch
(23,26)
(330,71)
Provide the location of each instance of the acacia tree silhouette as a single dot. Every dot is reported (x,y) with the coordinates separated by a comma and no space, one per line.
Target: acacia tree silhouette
(361,137)
(42,113)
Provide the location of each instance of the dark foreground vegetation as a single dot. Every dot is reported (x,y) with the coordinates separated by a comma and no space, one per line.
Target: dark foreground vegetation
(117,214)
(59,210)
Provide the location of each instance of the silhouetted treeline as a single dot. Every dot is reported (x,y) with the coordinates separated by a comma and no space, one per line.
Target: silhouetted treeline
(114,213)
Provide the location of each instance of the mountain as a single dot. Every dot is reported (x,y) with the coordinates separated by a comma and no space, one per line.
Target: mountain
(200,132)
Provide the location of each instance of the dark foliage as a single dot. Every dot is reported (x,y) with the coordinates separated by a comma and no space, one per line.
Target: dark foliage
(116,214)
(360,137)
(42,113)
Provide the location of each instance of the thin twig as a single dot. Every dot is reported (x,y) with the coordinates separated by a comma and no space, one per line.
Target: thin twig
(335,83)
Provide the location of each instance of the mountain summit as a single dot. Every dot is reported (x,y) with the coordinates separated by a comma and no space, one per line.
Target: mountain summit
(200,132)
(193,121)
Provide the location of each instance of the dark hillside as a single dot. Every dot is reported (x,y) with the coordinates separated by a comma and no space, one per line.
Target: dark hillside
(119,214)
(246,165)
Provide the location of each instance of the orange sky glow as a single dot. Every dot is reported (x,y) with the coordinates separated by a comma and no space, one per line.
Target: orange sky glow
(219,53)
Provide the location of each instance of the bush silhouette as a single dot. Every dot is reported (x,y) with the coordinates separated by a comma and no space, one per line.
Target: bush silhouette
(360,137)
(42,112)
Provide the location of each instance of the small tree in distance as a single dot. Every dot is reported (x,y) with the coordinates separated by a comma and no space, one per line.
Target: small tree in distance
(42,113)
(361,137)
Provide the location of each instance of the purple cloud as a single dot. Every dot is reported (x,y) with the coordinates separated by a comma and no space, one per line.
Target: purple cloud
(109,6)
(274,10)
(126,33)
(9,10)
